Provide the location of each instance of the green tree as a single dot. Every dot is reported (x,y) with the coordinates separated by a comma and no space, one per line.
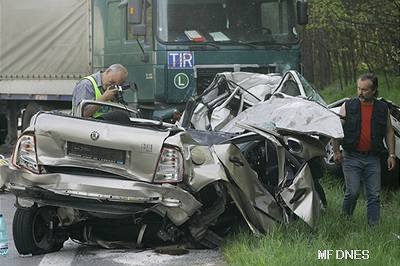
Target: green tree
(345,37)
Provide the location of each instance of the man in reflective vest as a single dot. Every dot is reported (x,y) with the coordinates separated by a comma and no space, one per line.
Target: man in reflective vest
(99,86)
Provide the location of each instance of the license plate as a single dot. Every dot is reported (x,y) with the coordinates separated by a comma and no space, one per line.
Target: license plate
(96,153)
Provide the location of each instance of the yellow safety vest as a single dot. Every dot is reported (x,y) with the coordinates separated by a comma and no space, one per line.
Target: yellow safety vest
(97,92)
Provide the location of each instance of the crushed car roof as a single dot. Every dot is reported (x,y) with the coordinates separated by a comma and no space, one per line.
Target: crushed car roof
(294,114)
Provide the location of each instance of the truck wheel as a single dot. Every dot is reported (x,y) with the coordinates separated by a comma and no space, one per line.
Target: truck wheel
(33,232)
(30,110)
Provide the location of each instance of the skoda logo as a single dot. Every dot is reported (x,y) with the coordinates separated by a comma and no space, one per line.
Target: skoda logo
(94,135)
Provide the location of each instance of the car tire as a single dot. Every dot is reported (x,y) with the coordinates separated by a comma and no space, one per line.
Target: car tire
(390,179)
(25,232)
(317,167)
(329,161)
(321,193)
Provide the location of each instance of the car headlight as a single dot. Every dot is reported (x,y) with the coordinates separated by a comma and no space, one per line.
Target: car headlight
(25,154)
(294,145)
(170,166)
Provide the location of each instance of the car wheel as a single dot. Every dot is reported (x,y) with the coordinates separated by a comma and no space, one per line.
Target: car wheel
(390,179)
(33,230)
(329,161)
(321,192)
(317,167)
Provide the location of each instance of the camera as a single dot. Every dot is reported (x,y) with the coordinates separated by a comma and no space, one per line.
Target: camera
(123,87)
(121,90)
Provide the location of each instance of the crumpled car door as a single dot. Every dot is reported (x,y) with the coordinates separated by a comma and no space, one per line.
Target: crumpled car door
(258,207)
(302,198)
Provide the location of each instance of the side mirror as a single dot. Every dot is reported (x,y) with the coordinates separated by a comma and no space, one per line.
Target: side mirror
(135,10)
(136,17)
(302,16)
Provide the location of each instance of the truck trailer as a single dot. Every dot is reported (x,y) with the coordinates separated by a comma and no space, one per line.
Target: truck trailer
(171,48)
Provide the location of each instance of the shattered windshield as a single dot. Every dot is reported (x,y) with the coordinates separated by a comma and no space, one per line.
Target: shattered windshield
(259,22)
(310,92)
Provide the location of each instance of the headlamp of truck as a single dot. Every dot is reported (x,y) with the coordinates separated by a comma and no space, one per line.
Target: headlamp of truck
(170,166)
(25,154)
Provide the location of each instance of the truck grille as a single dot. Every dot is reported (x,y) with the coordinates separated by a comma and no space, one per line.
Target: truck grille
(206,75)
(96,153)
(261,70)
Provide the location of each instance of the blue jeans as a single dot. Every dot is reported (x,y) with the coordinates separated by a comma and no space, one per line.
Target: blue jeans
(358,166)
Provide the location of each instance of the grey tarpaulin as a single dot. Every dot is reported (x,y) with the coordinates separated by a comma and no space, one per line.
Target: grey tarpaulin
(44,37)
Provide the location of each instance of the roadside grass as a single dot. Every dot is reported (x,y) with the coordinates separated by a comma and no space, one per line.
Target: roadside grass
(388,91)
(298,245)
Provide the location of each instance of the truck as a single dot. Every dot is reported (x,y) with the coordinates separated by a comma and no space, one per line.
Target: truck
(171,48)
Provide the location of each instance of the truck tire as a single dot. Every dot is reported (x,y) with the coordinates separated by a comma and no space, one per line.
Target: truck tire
(29,231)
(30,110)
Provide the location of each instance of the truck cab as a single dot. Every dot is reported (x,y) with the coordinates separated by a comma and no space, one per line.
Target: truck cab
(173,48)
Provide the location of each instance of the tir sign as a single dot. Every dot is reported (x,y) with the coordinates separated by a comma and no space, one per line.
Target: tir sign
(180,60)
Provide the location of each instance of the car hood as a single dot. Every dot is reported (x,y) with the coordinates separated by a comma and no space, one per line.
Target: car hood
(287,113)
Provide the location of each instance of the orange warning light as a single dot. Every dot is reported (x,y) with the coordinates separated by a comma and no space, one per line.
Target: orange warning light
(132,11)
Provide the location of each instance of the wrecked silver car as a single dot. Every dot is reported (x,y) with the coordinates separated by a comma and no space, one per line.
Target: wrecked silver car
(231,93)
(144,182)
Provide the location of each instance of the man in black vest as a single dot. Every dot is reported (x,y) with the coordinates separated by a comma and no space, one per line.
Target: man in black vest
(366,124)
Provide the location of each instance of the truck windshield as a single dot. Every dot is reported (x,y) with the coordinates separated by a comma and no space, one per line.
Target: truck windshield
(258,22)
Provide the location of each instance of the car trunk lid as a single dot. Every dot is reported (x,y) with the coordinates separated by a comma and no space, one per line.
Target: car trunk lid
(126,151)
